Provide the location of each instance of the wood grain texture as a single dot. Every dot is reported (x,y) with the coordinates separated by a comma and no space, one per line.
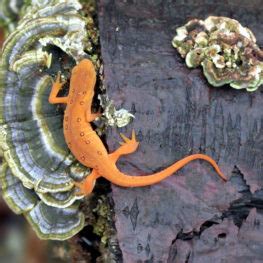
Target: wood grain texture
(178,113)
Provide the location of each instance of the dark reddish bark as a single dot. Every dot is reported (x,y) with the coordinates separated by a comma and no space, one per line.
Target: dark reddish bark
(178,113)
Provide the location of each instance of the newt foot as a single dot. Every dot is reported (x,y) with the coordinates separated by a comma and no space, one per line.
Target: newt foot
(128,145)
(58,81)
(56,87)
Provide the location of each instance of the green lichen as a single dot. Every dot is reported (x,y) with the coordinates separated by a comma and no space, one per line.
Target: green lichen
(111,116)
(103,226)
(225,49)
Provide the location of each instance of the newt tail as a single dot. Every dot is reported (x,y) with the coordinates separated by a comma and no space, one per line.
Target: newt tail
(86,145)
(125,180)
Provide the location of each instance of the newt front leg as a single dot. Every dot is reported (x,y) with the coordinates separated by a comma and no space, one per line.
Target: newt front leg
(56,87)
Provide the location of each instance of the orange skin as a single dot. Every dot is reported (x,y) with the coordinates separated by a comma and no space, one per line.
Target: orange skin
(86,145)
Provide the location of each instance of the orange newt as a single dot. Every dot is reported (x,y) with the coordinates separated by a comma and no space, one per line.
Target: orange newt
(87,146)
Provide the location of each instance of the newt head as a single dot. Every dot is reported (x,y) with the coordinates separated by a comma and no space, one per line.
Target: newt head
(83,78)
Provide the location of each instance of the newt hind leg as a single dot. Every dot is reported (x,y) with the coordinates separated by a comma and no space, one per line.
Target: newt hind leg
(127,146)
(86,186)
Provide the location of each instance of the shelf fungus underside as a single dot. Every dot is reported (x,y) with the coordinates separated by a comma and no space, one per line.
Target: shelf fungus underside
(225,49)
(49,221)
(38,171)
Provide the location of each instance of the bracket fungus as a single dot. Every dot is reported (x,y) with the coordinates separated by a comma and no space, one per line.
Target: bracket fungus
(38,170)
(225,49)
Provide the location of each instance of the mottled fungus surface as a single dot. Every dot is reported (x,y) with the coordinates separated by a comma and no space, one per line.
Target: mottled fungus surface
(9,12)
(225,49)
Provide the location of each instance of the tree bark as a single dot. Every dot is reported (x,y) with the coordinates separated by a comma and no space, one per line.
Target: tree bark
(192,216)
